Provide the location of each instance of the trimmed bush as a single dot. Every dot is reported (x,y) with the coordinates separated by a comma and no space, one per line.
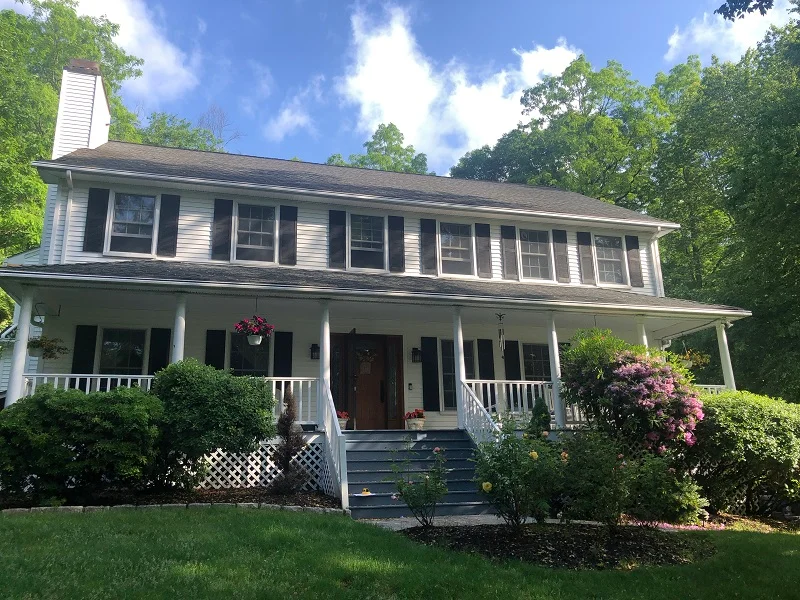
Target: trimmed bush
(660,493)
(747,457)
(65,443)
(206,409)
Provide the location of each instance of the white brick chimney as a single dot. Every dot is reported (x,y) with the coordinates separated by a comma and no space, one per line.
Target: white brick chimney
(83,110)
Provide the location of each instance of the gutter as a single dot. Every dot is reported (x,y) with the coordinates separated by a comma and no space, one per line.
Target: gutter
(322,293)
(665,225)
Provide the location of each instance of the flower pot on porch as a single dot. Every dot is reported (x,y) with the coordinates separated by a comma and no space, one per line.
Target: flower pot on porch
(35,352)
(254,340)
(343,424)
(415,424)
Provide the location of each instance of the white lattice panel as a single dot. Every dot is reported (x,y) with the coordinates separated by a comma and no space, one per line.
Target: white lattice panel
(258,468)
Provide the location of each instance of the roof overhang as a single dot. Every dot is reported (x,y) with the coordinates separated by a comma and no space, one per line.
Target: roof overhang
(51,172)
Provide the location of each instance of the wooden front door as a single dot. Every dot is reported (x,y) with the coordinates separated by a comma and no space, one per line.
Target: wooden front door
(367,379)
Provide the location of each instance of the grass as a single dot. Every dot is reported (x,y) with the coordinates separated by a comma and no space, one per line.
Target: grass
(226,552)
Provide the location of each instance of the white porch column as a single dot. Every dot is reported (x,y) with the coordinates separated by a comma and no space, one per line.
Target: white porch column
(641,332)
(461,370)
(20,352)
(179,329)
(324,357)
(555,374)
(725,357)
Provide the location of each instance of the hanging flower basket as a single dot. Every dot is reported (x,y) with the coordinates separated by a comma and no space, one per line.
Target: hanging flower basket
(255,328)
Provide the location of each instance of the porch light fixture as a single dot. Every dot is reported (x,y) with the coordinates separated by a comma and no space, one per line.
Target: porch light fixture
(501,334)
(416,355)
(314,351)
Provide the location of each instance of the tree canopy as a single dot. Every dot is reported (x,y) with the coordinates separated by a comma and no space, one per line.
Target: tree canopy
(386,151)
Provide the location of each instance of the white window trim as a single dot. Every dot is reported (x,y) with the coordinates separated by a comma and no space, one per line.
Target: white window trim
(235,232)
(98,346)
(110,222)
(625,275)
(473,256)
(550,252)
(348,249)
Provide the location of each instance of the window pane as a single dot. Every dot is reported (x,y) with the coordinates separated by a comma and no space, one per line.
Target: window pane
(132,223)
(122,351)
(609,259)
(249,360)
(535,253)
(366,242)
(456,246)
(255,233)
(449,370)
(536,359)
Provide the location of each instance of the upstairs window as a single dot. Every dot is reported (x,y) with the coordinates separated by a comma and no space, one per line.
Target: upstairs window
(132,223)
(535,253)
(610,259)
(255,233)
(455,241)
(367,242)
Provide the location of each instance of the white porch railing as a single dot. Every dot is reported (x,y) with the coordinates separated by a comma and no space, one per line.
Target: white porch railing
(305,396)
(477,421)
(711,389)
(85,383)
(337,443)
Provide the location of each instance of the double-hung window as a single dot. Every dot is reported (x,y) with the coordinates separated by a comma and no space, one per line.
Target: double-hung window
(252,361)
(255,233)
(122,351)
(367,242)
(455,241)
(610,259)
(536,362)
(449,370)
(535,253)
(132,221)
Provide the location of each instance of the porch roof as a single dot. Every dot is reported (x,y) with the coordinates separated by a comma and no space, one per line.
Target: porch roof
(240,280)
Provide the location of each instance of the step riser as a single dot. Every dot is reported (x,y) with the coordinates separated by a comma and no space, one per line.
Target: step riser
(359,477)
(380,500)
(393,512)
(423,446)
(401,455)
(389,487)
(400,436)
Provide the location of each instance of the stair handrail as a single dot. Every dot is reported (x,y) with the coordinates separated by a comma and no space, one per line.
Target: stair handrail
(336,443)
(477,421)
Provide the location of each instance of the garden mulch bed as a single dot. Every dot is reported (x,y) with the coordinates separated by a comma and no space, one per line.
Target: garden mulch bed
(179,496)
(569,546)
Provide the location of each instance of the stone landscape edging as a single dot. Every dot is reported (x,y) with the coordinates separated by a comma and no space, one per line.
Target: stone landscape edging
(191,505)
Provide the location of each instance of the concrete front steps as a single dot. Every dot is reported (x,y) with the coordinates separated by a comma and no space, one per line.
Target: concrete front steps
(370,455)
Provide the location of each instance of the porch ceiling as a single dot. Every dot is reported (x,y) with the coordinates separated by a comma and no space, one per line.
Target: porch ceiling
(239,280)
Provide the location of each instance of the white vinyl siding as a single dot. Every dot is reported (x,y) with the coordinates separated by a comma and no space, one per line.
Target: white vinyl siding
(74,124)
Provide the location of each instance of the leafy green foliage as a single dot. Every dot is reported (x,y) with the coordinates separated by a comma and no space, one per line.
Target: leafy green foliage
(292,475)
(422,490)
(540,418)
(386,152)
(58,443)
(521,476)
(206,409)
(164,129)
(659,493)
(748,452)
(736,9)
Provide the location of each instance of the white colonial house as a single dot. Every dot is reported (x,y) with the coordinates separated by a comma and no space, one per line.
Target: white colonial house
(389,291)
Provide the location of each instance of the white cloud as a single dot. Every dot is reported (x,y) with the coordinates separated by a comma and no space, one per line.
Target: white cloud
(23,9)
(711,34)
(261,86)
(168,71)
(295,114)
(202,26)
(442,110)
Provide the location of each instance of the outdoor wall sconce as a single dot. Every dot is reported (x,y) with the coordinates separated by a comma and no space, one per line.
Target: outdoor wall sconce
(314,351)
(416,355)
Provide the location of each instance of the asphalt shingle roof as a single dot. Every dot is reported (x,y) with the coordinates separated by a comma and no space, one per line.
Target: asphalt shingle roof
(236,168)
(324,280)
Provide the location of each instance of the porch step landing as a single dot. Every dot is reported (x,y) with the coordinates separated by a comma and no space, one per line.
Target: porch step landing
(370,455)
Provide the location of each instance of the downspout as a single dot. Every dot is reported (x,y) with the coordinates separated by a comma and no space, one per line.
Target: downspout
(655,256)
(67,215)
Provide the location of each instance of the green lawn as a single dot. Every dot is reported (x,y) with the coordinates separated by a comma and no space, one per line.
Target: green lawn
(227,552)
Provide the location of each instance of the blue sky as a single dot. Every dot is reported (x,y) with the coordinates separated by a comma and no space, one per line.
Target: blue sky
(310,78)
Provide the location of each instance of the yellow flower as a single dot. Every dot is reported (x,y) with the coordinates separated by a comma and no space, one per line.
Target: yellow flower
(534,455)
(487,486)
(564,456)
(525,436)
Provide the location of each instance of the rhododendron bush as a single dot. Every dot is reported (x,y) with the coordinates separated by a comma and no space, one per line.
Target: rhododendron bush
(642,394)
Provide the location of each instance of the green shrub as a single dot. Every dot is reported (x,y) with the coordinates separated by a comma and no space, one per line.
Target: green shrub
(747,457)
(206,409)
(520,476)
(292,476)
(540,418)
(659,493)
(422,490)
(65,443)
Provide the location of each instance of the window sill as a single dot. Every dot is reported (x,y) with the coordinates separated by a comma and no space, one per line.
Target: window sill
(118,254)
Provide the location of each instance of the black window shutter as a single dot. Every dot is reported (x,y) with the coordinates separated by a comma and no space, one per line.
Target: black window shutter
(215,348)
(168,225)
(560,255)
(511,358)
(585,257)
(634,260)
(287,236)
(221,234)
(508,239)
(83,350)
(427,246)
(94,233)
(483,245)
(160,346)
(282,357)
(397,245)
(337,238)
(430,373)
